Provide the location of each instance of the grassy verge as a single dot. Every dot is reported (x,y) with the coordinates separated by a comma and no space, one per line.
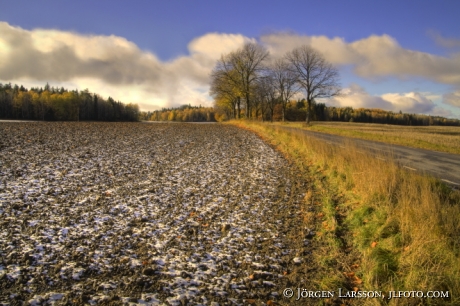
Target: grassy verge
(379,227)
(438,138)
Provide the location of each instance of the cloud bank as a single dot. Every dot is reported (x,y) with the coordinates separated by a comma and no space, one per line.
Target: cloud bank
(410,102)
(112,64)
(115,66)
(373,57)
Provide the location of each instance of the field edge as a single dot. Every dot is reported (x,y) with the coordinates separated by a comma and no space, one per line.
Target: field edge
(369,234)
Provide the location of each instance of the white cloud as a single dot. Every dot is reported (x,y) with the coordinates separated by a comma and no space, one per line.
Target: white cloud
(411,102)
(214,44)
(356,97)
(452,98)
(336,50)
(111,65)
(431,96)
(373,57)
(115,66)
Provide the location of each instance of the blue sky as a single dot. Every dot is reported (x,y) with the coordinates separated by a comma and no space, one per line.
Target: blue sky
(159,53)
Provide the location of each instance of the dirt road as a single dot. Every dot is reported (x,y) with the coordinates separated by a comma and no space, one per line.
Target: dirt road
(445,166)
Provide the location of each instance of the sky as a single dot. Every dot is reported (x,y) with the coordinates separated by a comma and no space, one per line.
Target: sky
(392,55)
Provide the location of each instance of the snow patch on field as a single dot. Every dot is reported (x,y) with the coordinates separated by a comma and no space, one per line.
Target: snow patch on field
(98,210)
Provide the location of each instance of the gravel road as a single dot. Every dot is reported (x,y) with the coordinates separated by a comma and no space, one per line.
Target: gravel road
(445,166)
(151,214)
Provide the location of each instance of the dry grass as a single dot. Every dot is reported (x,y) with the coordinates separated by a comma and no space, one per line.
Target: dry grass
(382,227)
(439,138)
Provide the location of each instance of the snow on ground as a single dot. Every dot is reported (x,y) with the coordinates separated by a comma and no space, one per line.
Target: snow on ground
(134,213)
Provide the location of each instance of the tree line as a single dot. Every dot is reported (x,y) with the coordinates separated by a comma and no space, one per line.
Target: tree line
(321,112)
(50,104)
(294,110)
(183,113)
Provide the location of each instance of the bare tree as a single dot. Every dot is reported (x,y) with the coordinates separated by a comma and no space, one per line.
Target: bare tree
(224,87)
(317,77)
(247,62)
(240,70)
(258,99)
(284,80)
(262,95)
(272,99)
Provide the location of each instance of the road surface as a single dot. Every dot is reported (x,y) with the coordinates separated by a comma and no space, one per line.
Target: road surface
(445,166)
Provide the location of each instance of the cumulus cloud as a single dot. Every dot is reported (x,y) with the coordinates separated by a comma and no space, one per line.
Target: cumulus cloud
(356,97)
(213,45)
(452,98)
(373,57)
(411,102)
(112,65)
(336,50)
(57,55)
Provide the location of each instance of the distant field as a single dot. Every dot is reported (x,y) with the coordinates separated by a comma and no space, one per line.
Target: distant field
(439,138)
